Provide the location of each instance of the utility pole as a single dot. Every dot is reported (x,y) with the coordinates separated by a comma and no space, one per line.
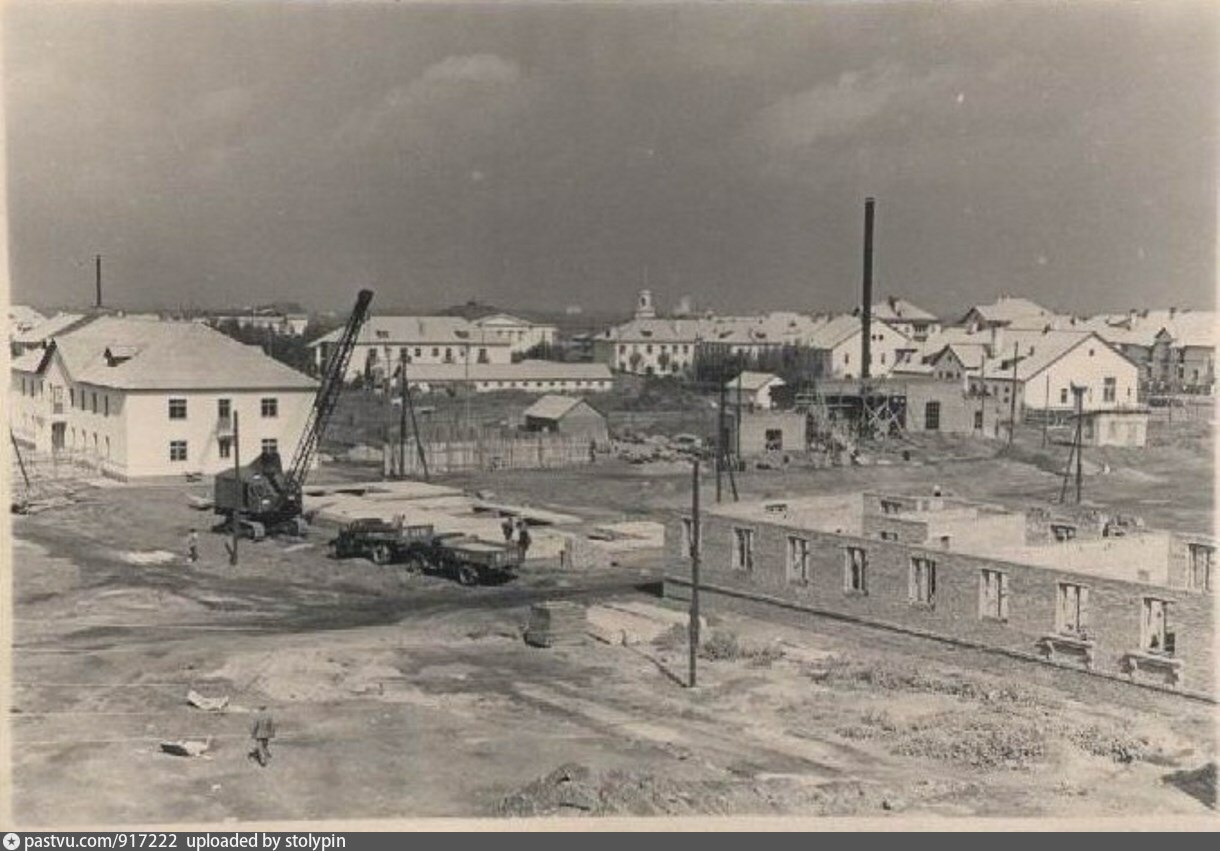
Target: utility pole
(235,520)
(1046,412)
(720,434)
(402,413)
(1079,392)
(737,424)
(694,573)
(982,394)
(1012,410)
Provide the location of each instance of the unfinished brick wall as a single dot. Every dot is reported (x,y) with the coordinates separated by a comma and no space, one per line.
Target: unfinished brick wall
(1114,606)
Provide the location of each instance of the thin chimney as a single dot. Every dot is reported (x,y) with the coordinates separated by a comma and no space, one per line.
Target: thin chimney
(97,265)
(866,313)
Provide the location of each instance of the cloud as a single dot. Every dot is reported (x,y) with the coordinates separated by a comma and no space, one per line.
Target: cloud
(480,68)
(829,109)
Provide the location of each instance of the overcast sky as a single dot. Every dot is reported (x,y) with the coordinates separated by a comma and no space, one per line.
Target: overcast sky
(230,153)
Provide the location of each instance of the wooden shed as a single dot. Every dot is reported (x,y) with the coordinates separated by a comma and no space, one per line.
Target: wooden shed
(567,415)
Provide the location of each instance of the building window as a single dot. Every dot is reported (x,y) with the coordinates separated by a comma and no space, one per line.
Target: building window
(224,409)
(106,404)
(798,559)
(978,420)
(923,581)
(889,506)
(1155,634)
(931,416)
(482,356)
(993,595)
(887,535)
(1202,560)
(773,439)
(177,450)
(418,351)
(688,537)
(270,407)
(743,549)
(225,445)
(270,446)
(93,400)
(1063,396)
(72,397)
(855,570)
(177,409)
(1109,391)
(1072,612)
(448,355)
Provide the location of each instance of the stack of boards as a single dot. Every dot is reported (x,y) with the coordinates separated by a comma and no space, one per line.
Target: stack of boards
(554,624)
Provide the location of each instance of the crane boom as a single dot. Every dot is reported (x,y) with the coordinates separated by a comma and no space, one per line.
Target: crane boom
(328,393)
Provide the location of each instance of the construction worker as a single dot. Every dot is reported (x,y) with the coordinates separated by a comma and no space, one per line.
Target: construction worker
(192,546)
(507,528)
(262,732)
(523,540)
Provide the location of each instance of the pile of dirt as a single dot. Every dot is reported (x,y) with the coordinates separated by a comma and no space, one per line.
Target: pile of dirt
(576,790)
(842,673)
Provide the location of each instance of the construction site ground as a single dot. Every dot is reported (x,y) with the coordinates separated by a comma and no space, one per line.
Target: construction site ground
(411,696)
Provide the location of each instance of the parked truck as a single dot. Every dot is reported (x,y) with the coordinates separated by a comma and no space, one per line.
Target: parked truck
(419,548)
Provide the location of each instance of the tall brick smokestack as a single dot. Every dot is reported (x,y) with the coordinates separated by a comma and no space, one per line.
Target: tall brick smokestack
(866,311)
(97,278)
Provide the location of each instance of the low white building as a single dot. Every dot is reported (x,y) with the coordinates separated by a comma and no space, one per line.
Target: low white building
(265,319)
(531,376)
(444,340)
(1008,311)
(1049,363)
(141,397)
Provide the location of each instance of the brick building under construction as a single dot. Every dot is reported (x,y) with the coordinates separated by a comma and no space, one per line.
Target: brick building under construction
(1138,606)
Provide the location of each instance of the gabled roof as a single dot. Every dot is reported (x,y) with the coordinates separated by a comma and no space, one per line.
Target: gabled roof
(33,360)
(1038,350)
(47,329)
(755,381)
(161,355)
(21,317)
(418,331)
(841,328)
(899,309)
(552,407)
(1007,309)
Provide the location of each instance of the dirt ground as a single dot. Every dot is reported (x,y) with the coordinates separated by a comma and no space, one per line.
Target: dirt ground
(411,696)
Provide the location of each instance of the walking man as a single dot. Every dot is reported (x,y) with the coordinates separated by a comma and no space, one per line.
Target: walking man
(262,732)
(523,540)
(192,546)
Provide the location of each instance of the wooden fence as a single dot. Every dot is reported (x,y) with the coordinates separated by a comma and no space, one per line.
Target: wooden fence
(489,452)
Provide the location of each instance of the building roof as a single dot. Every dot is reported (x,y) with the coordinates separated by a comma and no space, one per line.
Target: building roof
(1037,350)
(840,329)
(29,361)
(552,407)
(526,370)
(21,317)
(897,309)
(48,328)
(418,331)
(755,381)
(149,354)
(1009,309)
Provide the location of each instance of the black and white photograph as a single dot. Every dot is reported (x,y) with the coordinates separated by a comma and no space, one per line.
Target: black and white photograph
(610,415)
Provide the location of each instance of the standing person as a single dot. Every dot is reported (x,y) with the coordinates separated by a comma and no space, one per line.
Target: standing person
(523,540)
(192,546)
(507,528)
(262,732)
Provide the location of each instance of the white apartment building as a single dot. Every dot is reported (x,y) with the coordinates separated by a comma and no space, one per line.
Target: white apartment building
(141,397)
(521,334)
(419,340)
(840,342)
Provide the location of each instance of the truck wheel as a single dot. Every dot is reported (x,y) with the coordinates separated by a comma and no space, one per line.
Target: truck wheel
(467,574)
(381,554)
